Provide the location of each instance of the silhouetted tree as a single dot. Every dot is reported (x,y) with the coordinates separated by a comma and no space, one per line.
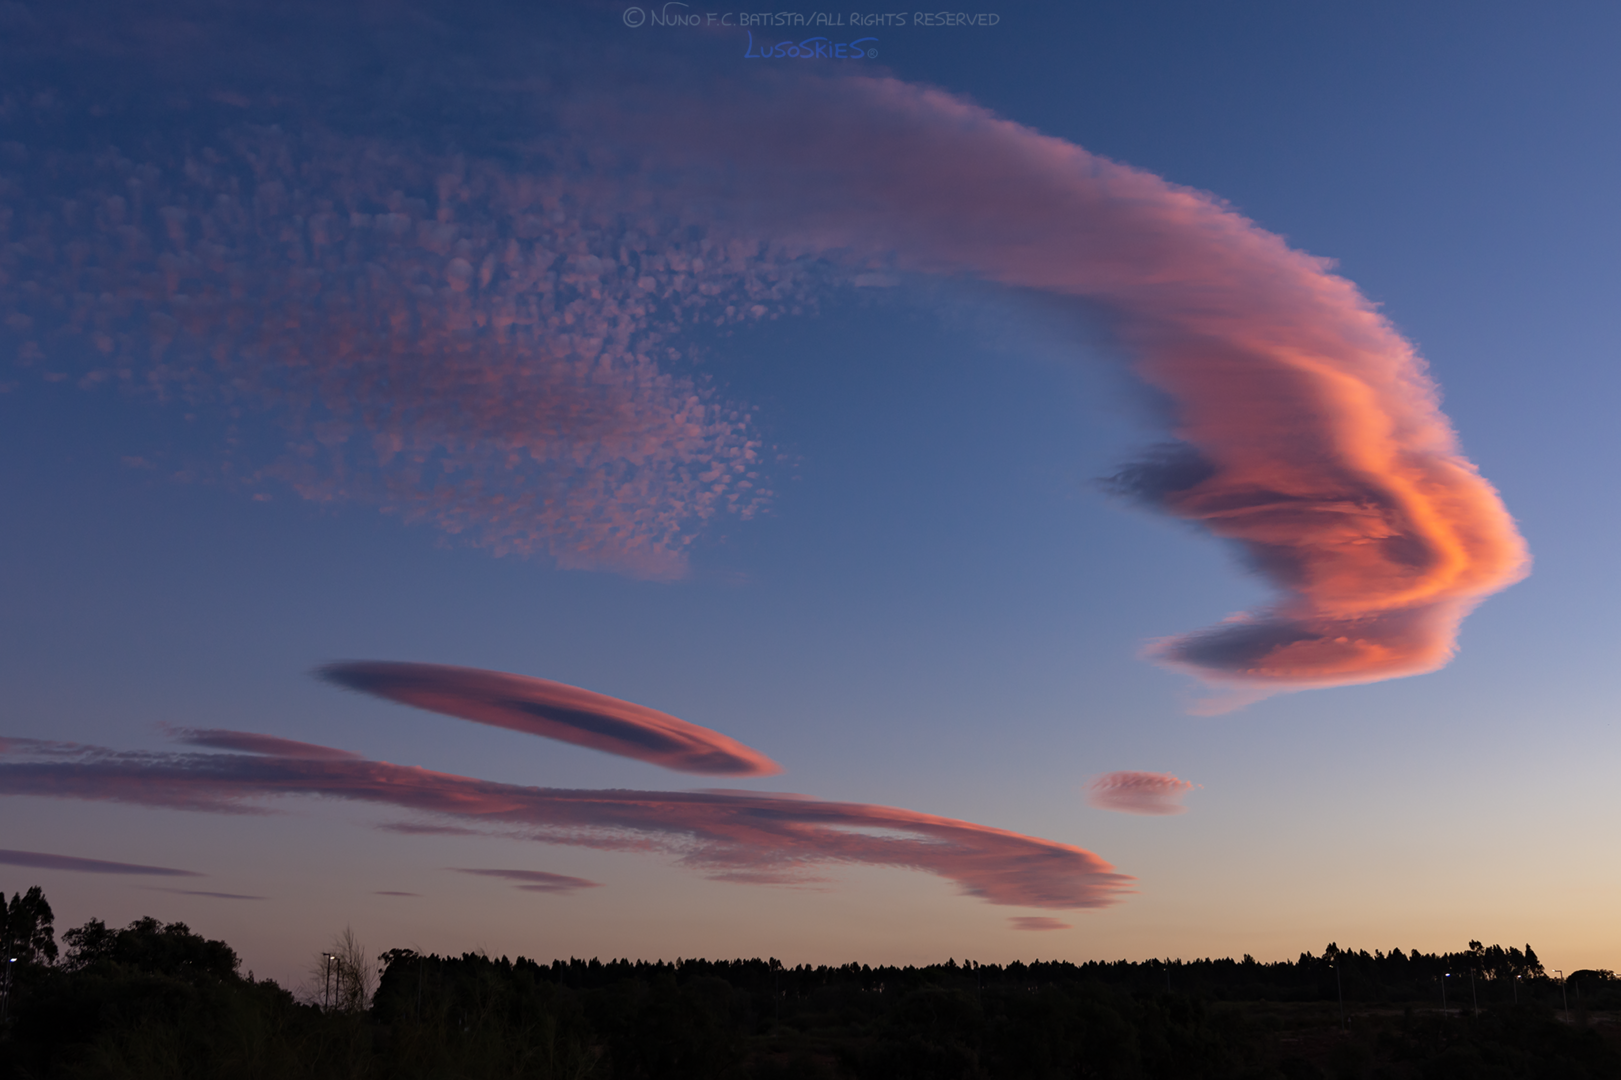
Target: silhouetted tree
(149,946)
(27,928)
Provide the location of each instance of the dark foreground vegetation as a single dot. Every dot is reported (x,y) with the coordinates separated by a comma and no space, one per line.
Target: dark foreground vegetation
(156,1000)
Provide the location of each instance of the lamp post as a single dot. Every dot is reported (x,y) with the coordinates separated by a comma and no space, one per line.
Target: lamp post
(326,981)
(1444,979)
(1563,993)
(1516,989)
(1474,999)
(1339,990)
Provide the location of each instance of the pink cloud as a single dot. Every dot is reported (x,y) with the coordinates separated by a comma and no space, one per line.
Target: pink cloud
(1138,793)
(487,351)
(754,837)
(212,895)
(1037,922)
(555,710)
(537,880)
(41,860)
(393,892)
(1307,431)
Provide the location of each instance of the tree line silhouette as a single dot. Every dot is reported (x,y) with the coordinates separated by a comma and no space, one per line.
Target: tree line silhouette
(156,999)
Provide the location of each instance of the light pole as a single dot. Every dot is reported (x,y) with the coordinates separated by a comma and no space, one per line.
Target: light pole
(1516,989)
(1473,998)
(1339,990)
(1444,979)
(326,982)
(1563,993)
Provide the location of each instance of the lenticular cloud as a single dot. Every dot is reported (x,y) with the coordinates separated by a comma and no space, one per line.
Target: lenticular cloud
(746,837)
(553,710)
(1307,430)
(467,297)
(1138,793)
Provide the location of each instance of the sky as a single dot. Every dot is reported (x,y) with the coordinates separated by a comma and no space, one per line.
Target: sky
(1125,481)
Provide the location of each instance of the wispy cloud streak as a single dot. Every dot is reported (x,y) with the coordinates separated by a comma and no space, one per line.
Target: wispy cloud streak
(249,743)
(536,880)
(41,860)
(1138,793)
(554,710)
(731,836)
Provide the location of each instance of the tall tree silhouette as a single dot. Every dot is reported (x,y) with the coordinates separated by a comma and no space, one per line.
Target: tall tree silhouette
(27,927)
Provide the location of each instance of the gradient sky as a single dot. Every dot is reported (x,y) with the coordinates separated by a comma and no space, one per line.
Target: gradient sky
(938,608)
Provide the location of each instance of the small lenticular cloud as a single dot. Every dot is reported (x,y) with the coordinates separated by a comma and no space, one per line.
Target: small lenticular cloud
(1037,922)
(1138,793)
(555,710)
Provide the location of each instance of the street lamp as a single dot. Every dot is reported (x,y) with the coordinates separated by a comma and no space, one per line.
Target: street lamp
(1473,998)
(1340,990)
(326,982)
(1516,989)
(1563,993)
(1444,979)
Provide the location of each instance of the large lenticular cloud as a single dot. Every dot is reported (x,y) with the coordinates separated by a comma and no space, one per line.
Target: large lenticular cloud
(554,710)
(732,836)
(1308,431)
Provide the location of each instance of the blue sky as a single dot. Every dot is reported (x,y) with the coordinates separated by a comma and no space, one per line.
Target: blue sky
(941,610)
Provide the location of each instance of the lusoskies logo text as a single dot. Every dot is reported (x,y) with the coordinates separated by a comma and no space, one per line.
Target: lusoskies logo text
(812,48)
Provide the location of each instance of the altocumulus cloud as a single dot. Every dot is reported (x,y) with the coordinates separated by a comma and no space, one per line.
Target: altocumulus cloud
(555,711)
(1138,793)
(744,837)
